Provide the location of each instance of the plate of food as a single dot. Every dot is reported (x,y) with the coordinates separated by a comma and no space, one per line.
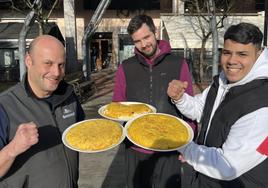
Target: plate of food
(158,132)
(124,111)
(93,135)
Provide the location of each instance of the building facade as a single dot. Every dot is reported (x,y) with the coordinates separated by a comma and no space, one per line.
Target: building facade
(174,20)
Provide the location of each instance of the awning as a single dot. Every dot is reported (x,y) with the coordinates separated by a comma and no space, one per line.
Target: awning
(9,33)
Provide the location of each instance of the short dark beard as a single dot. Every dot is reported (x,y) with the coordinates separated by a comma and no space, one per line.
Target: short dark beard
(149,56)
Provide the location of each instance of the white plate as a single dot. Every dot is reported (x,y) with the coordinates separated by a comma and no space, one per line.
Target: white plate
(90,151)
(102,109)
(190,132)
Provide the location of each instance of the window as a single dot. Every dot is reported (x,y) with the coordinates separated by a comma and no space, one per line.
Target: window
(221,6)
(7,58)
(260,5)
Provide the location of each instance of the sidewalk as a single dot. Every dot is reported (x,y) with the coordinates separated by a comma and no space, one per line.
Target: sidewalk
(105,169)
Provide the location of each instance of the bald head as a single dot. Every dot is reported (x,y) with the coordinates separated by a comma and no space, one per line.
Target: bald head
(44,40)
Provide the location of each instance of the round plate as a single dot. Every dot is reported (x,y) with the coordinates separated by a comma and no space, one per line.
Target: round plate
(65,142)
(190,132)
(102,109)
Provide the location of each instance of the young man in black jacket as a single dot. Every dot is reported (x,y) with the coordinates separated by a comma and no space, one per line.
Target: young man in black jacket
(231,149)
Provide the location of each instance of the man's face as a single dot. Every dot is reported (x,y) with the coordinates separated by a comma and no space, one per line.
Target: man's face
(145,41)
(237,59)
(46,68)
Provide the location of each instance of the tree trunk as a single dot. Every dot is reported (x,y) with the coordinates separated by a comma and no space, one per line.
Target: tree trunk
(70,36)
(201,60)
(215,38)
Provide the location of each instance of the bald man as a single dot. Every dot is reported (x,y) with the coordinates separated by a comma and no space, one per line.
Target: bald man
(33,115)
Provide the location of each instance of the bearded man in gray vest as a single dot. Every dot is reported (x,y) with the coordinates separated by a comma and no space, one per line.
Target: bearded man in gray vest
(34,113)
(231,149)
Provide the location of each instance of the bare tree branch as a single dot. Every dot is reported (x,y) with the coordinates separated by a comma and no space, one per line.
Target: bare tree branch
(207,12)
(50,11)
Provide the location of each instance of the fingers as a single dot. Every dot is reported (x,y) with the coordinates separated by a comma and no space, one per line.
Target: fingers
(176,89)
(26,136)
(181,158)
(29,133)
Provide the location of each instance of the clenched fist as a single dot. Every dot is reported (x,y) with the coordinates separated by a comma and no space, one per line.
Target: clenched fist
(26,136)
(176,89)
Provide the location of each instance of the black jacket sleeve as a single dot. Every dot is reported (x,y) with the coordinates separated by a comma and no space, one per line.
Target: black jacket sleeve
(3,127)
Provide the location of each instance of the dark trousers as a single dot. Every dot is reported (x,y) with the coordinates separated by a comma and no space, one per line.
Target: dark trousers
(93,63)
(157,170)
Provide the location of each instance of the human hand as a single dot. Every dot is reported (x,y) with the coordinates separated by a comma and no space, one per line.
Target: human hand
(176,89)
(26,136)
(181,158)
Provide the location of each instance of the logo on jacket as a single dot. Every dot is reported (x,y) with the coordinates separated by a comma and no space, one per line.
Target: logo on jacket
(67,113)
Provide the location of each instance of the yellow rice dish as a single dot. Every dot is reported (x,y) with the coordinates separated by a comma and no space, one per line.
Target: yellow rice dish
(119,110)
(94,135)
(158,131)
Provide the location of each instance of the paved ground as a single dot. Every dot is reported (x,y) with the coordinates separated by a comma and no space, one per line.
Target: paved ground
(105,169)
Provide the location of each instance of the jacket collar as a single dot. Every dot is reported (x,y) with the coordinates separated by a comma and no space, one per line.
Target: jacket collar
(164,48)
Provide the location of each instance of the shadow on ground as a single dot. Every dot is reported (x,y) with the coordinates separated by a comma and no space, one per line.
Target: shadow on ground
(105,169)
(115,177)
